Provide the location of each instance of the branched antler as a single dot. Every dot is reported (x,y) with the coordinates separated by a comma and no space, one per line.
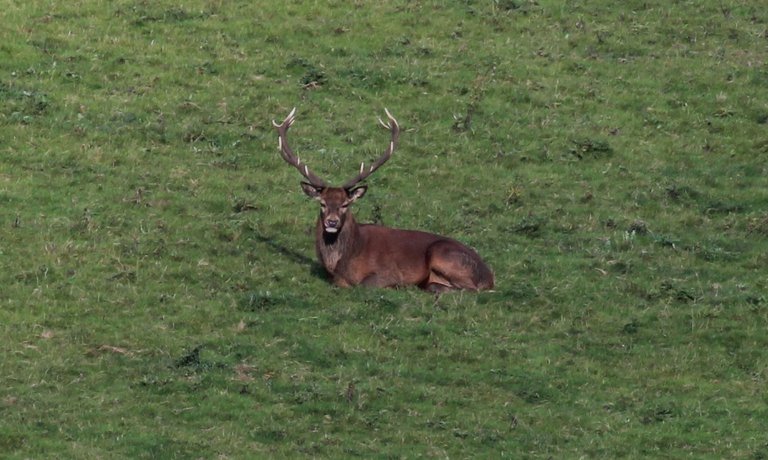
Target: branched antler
(316,181)
(287,153)
(392,126)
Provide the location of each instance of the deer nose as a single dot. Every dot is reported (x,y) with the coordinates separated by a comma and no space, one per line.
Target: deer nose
(332,223)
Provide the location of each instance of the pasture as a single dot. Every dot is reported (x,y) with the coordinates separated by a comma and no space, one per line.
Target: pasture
(159,294)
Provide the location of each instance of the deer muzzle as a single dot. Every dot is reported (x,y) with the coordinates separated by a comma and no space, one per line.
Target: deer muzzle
(331,225)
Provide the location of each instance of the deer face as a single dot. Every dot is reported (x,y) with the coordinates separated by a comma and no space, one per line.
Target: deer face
(334,203)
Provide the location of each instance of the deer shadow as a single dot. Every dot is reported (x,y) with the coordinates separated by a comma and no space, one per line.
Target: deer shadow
(314,267)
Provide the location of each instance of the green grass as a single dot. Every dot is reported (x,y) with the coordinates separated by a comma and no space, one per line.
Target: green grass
(160,297)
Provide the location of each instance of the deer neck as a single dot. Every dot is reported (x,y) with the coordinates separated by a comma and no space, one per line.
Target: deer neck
(332,248)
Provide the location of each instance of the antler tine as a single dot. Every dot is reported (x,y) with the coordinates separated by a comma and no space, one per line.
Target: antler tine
(390,118)
(288,120)
(394,128)
(287,153)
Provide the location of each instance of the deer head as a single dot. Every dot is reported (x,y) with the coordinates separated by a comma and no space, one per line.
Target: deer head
(334,201)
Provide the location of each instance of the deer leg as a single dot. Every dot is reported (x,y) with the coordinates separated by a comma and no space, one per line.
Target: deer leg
(451,266)
(436,283)
(341,282)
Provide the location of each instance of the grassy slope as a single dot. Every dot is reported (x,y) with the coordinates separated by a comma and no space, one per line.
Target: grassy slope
(159,297)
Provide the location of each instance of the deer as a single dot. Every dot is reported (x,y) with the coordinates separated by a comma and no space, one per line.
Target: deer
(374,255)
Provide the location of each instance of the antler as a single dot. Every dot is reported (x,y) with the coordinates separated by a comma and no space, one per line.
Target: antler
(287,153)
(365,172)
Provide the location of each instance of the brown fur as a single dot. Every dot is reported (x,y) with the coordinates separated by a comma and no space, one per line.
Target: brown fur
(373,255)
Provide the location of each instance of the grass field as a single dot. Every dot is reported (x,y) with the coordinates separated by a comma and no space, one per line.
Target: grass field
(159,296)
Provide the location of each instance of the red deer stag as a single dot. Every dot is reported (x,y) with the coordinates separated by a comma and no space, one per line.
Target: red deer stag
(373,255)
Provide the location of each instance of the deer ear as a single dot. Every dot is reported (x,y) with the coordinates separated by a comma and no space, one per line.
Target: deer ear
(311,190)
(357,192)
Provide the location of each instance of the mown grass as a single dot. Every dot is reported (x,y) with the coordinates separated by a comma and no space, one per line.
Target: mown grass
(159,293)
